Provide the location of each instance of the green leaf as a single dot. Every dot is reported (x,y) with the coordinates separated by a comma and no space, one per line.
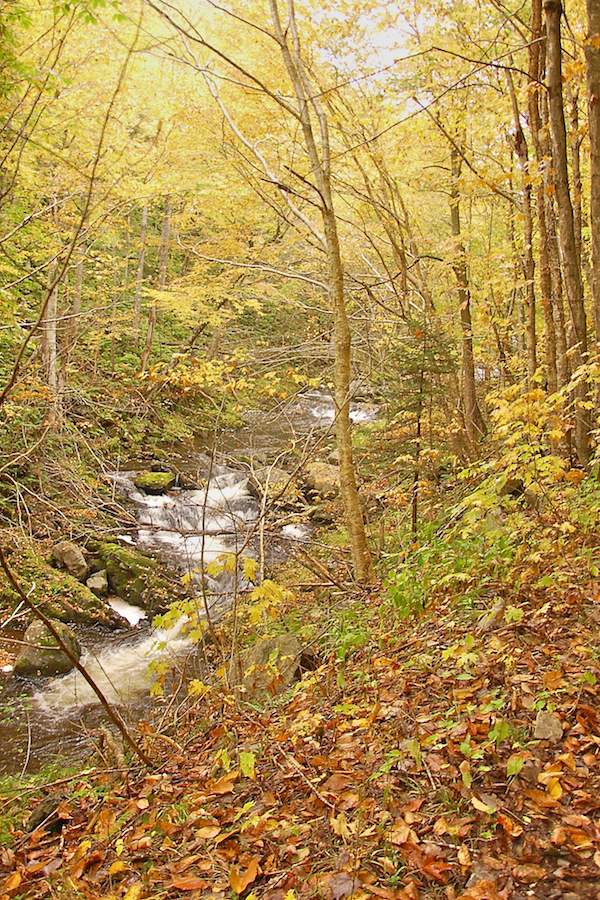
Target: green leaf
(515,764)
(247,760)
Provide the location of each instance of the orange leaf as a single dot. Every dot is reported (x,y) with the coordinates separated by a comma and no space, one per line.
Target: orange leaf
(225,784)
(511,828)
(188,883)
(483,890)
(240,882)
(12,882)
(380,892)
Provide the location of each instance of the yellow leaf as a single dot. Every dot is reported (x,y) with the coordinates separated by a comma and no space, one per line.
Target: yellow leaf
(81,851)
(117,866)
(134,891)
(554,789)
(250,567)
(481,806)
(464,857)
(339,825)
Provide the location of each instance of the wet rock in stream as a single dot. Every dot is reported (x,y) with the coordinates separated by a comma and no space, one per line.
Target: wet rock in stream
(42,654)
(133,575)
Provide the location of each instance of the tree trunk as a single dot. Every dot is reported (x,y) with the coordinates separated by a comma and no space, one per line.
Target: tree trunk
(592,67)
(49,351)
(536,74)
(308,103)
(520,147)
(473,419)
(139,279)
(163,259)
(568,243)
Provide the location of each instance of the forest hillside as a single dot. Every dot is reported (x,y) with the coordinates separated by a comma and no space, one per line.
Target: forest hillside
(299,472)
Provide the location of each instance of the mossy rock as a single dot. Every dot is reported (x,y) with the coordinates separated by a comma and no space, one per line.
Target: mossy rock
(42,655)
(134,576)
(271,665)
(277,482)
(154,482)
(57,593)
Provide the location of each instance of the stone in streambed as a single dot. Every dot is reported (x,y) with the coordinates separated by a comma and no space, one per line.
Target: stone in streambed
(58,594)
(155,482)
(98,583)
(42,655)
(323,479)
(271,665)
(134,576)
(67,555)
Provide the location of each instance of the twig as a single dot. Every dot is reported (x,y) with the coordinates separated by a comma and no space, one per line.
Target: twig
(295,765)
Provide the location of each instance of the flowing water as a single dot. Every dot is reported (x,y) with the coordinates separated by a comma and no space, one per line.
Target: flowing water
(189,528)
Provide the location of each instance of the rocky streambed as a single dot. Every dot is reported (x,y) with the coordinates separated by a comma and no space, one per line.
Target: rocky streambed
(189,511)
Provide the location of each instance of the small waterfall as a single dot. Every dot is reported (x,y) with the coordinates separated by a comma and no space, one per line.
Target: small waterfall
(190,528)
(121,673)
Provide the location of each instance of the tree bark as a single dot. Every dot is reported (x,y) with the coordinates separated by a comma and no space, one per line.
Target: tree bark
(319,155)
(592,68)
(49,351)
(568,244)
(139,279)
(473,419)
(536,74)
(163,259)
(520,147)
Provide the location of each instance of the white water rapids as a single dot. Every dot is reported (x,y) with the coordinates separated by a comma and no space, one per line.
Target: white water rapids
(190,529)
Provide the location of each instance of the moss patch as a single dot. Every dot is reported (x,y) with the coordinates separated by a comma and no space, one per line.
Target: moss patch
(135,576)
(57,593)
(154,482)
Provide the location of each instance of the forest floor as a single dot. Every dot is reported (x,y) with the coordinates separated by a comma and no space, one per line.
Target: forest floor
(440,756)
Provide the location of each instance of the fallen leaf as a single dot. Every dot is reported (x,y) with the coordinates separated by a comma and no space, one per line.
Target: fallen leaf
(225,784)
(511,828)
(117,866)
(208,831)
(12,882)
(238,881)
(188,883)
(339,826)
(483,890)
(134,891)
(529,874)
(464,857)
(342,885)
(402,833)
(482,807)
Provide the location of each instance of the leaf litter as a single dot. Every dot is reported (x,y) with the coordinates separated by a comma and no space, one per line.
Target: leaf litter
(447,762)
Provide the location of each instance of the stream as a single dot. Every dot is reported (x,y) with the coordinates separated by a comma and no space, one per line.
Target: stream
(42,719)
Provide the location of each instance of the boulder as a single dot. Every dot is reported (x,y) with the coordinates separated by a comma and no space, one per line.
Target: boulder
(275,481)
(98,583)
(155,482)
(58,594)
(270,665)
(134,576)
(42,655)
(69,556)
(323,479)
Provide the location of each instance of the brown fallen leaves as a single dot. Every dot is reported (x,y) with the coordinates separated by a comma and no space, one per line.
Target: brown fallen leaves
(420,779)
